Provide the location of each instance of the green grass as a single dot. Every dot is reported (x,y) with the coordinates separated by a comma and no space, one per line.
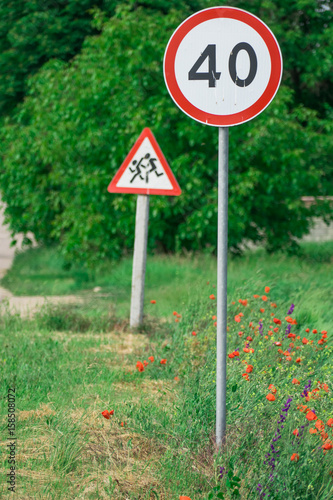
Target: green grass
(174,280)
(70,363)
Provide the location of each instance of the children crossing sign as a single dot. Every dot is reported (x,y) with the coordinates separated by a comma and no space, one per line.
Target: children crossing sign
(145,170)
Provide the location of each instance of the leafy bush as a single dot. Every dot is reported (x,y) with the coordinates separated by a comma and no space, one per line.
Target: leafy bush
(71,134)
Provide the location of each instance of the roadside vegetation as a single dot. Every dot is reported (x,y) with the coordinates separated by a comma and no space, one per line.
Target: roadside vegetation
(157,385)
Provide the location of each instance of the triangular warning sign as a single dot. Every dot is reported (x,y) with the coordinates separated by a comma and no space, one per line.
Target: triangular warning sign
(145,170)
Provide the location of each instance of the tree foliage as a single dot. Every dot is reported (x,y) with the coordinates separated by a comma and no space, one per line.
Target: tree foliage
(34,31)
(69,137)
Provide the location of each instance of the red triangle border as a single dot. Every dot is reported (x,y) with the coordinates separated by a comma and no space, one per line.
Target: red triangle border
(146,133)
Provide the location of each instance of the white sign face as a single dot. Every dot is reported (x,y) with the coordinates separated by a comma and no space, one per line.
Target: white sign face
(223,97)
(145,170)
(222,66)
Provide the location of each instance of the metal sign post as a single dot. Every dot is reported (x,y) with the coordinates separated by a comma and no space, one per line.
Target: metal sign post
(222,258)
(222,67)
(139,260)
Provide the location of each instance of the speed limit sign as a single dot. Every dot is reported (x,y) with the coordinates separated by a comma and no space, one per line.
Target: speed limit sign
(222,66)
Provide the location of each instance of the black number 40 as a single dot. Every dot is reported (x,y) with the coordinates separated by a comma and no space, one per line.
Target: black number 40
(212,75)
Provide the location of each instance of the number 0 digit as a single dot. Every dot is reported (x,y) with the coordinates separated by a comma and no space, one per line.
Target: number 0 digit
(253,64)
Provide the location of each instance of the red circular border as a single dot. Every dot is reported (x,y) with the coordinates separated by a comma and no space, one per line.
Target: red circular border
(265,98)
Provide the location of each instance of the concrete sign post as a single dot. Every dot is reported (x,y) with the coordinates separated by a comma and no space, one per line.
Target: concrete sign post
(145,171)
(222,67)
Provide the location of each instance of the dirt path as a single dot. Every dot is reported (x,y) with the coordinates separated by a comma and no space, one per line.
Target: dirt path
(21,305)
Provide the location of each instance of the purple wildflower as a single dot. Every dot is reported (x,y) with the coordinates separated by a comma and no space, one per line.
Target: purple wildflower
(292,307)
(277,436)
(287,331)
(223,471)
(261,326)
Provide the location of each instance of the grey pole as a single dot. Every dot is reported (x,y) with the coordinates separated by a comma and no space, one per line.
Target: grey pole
(139,259)
(222,256)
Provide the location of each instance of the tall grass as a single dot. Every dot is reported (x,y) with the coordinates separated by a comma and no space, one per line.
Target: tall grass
(70,363)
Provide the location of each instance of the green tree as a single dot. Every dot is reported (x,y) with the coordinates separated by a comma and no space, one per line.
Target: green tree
(34,31)
(71,134)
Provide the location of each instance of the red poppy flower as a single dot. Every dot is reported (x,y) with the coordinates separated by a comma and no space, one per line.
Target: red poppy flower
(240,334)
(237,318)
(273,304)
(251,350)
(277,343)
(272,388)
(151,359)
(302,408)
(312,430)
(264,298)
(176,320)
(324,332)
(307,330)
(215,323)
(311,416)
(328,445)
(123,424)
(249,338)
(305,341)
(330,422)
(153,301)
(246,349)
(295,432)
(277,321)
(212,296)
(256,296)
(140,366)
(249,369)
(314,331)
(245,375)
(176,378)
(184,498)
(320,425)
(267,289)
(231,355)
(214,317)
(295,381)
(270,397)
(107,414)
(163,361)
(145,363)
(294,457)
(262,310)
(194,333)
(291,344)
(236,353)
(175,313)
(298,360)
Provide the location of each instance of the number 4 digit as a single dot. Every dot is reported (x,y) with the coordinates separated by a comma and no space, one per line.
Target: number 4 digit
(211,75)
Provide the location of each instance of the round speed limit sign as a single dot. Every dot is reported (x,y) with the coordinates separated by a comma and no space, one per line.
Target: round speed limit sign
(222,66)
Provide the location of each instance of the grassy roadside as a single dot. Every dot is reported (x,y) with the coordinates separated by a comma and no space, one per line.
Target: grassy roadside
(70,363)
(174,281)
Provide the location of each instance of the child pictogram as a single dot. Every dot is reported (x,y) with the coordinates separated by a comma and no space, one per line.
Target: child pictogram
(141,169)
